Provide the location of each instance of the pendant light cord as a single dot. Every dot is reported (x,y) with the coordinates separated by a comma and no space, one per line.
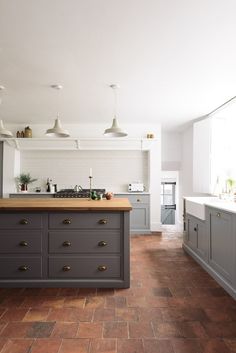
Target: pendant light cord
(221,106)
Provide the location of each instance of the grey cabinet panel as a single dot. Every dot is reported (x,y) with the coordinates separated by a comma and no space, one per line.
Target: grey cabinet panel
(20,267)
(140,214)
(84,242)
(20,220)
(195,236)
(82,267)
(20,242)
(98,220)
(221,243)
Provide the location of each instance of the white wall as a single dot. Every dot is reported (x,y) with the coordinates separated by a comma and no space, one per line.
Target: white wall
(11,168)
(112,170)
(171,151)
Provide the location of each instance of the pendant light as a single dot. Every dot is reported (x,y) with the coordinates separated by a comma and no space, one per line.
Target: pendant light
(115,130)
(4,132)
(57,130)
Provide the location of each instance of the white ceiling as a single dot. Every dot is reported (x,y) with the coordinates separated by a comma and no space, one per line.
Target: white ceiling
(174,59)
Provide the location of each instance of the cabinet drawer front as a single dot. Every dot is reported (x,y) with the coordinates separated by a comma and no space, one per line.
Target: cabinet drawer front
(21,267)
(136,198)
(20,221)
(84,267)
(84,242)
(20,242)
(98,220)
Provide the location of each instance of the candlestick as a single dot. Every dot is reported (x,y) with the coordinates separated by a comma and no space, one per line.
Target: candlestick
(90,172)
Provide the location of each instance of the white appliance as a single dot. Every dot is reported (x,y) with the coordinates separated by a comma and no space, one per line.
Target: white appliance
(136,187)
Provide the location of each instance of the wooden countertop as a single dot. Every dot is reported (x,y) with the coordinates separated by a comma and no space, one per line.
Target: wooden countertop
(54,204)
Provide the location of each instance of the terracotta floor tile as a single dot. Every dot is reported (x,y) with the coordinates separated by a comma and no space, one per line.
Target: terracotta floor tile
(76,345)
(140,330)
(157,302)
(40,330)
(136,302)
(36,315)
(231,344)
(221,329)
(166,329)
(217,315)
(46,345)
(150,314)
(17,346)
(49,291)
(187,346)
(3,341)
(115,330)
(192,329)
(15,314)
(105,292)
(70,315)
(68,291)
(162,292)
(74,302)
(94,302)
(16,330)
(103,346)
(127,314)
(90,330)
(115,302)
(65,330)
(53,302)
(12,302)
(87,292)
(102,314)
(215,346)
(158,346)
(190,314)
(31,302)
(130,346)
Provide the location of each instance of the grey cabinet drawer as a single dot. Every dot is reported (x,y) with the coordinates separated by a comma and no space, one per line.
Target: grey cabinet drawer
(20,267)
(84,242)
(137,198)
(74,220)
(84,267)
(20,242)
(20,220)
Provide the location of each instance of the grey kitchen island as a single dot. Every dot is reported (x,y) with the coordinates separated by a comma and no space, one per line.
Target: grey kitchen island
(64,243)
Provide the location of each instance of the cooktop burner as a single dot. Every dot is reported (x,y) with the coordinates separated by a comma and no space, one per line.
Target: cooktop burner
(71,193)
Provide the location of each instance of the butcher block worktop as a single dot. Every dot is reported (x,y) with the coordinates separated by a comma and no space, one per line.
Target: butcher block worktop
(115,204)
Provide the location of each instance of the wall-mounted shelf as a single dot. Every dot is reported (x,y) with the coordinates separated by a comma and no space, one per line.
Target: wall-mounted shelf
(73,144)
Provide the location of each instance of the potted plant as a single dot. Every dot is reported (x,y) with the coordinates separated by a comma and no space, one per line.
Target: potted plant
(24,179)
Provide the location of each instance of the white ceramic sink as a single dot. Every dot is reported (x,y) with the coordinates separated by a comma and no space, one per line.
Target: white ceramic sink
(196,206)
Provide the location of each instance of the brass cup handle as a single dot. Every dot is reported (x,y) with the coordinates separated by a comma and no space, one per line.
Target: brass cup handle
(102,243)
(218,214)
(66,243)
(138,200)
(67,221)
(66,268)
(195,229)
(23,221)
(23,268)
(102,268)
(103,221)
(23,243)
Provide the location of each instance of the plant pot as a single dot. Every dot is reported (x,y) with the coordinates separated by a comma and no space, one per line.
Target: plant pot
(24,187)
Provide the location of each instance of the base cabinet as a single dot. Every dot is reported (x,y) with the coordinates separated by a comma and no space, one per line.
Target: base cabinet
(213,245)
(222,243)
(140,214)
(195,236)
(65,249)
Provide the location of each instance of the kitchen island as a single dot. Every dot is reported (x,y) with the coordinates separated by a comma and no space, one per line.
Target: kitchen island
(64,243)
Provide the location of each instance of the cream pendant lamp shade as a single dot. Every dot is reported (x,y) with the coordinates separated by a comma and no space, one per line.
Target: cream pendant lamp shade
(57,130)
(115,130)
(4,132)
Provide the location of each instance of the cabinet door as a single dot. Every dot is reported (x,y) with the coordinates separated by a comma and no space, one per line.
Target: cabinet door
(139,217)
(192,232)
(221,243)
(1,167)
(202,240)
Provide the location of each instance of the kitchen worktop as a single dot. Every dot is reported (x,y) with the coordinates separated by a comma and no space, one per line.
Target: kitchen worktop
(115,204)
(196,205)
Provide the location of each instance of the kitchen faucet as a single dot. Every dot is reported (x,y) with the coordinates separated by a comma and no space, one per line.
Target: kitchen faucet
(78,188)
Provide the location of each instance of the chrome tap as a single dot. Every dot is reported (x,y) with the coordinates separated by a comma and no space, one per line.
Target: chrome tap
(78,188)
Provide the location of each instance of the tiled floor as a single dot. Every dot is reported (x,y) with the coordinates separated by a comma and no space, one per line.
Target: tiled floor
(173,306)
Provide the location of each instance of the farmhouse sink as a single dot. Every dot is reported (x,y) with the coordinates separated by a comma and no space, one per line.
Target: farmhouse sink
(196,205)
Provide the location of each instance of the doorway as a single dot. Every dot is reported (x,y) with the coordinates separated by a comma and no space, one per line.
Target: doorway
(168,202)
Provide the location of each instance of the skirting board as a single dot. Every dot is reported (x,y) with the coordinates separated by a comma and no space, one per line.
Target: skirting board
(219,279)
